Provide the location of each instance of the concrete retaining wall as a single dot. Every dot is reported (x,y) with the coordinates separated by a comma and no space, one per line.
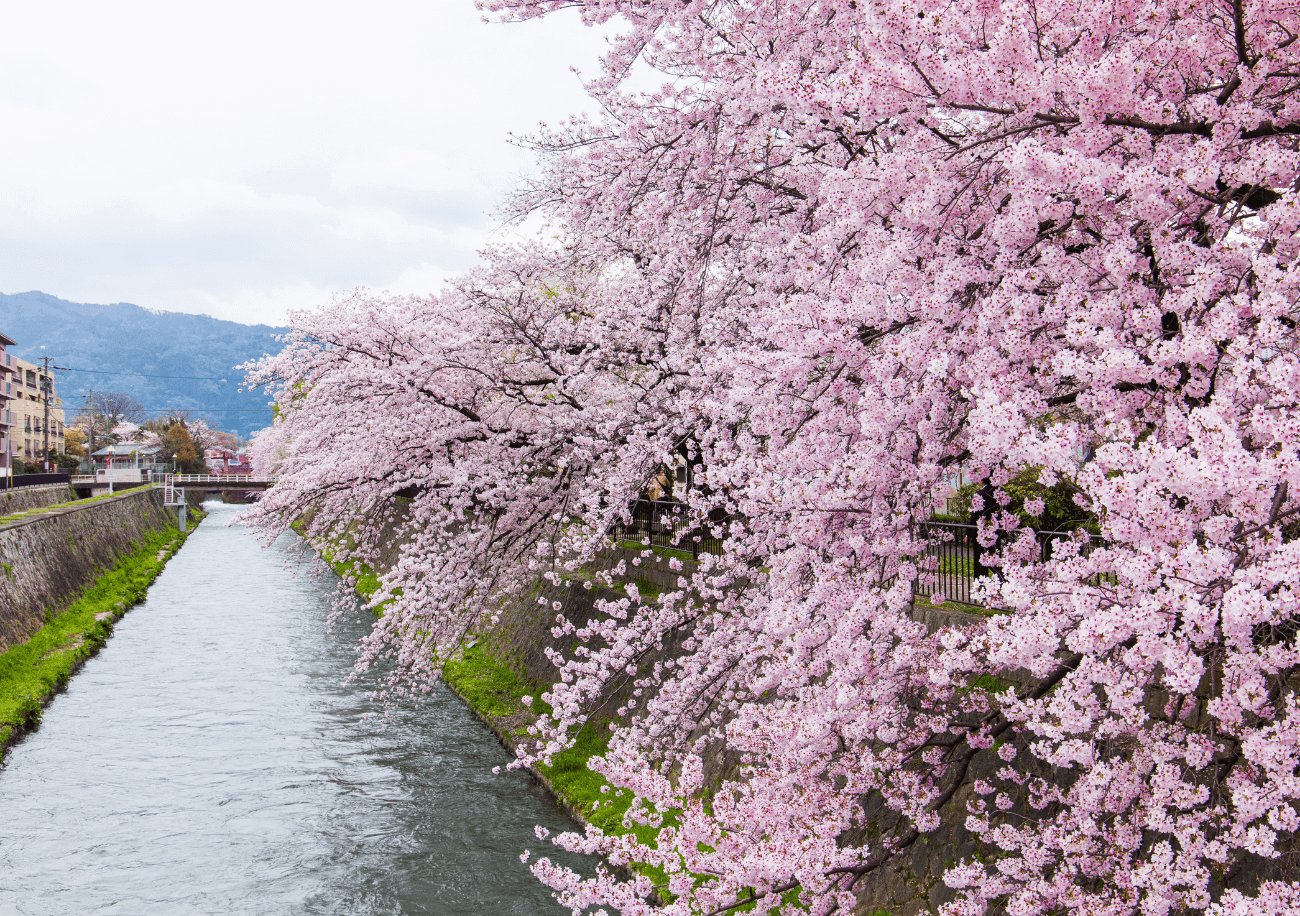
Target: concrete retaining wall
(21,499)
(46,560)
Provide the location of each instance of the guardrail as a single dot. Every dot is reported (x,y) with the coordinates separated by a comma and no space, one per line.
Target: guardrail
(662,523)
(188,479)
(955,553)
(37,480)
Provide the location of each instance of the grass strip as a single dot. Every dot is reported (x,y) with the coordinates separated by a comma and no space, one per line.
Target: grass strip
(494,690)
(28,513)
(667,552)
(31,673)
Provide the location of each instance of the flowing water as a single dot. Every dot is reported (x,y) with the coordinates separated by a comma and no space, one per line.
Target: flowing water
(212,760)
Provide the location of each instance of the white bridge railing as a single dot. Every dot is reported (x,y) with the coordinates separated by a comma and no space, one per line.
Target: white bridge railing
(174,485)
(183,480)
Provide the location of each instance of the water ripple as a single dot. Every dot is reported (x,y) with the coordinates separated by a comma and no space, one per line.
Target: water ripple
(211,760)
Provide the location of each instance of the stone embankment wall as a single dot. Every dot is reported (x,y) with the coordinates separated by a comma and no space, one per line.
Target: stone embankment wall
(47,559)
(22,499)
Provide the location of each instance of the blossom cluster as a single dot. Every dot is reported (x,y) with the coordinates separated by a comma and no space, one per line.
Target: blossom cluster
(848,248)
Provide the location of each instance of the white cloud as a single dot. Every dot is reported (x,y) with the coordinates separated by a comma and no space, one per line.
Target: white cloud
(248,158)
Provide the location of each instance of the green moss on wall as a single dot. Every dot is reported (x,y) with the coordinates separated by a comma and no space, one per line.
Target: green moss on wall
(32,672)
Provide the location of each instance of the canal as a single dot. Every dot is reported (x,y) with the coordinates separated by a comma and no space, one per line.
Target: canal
(212,760)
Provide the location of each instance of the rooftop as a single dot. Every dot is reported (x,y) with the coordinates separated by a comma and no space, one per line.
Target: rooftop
(127,448)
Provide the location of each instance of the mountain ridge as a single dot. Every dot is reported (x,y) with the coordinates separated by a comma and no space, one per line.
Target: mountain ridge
(117,347)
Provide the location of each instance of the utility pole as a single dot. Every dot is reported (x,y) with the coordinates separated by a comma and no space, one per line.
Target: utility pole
(90,426)
(90,407)
(47,388)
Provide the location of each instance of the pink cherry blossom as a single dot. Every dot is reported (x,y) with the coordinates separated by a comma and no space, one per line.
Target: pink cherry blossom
(846,248)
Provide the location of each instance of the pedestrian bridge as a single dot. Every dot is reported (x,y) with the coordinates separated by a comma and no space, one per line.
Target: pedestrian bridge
(105,480)
(175,485)
(212,482)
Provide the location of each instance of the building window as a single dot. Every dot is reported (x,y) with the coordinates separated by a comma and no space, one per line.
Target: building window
(28,426)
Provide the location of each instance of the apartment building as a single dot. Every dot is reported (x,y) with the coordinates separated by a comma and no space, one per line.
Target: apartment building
(7,372)
(30,388)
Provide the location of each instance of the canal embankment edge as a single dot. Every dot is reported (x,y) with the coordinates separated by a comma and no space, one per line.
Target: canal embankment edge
(134,551)
(492,690)
(502,671)
(508,661)
(21,499)
(50,553)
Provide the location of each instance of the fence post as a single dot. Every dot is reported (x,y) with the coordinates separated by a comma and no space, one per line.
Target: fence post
(920,565)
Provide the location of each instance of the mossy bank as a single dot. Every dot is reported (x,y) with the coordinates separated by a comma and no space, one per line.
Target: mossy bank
(33,671)
(499,667)
(50,553)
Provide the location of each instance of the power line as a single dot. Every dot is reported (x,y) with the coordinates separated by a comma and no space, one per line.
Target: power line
(194,378)
(187,409)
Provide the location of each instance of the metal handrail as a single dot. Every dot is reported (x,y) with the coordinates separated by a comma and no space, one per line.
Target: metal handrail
(956,551)
(662,523)
(221,478)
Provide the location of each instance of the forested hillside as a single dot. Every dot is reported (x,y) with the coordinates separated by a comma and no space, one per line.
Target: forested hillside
(195,352)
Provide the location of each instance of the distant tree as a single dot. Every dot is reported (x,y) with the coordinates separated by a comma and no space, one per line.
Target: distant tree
(66,462)
(76,440)
(117,406)
(92,427)
(203,435)
(126,431)
(130,433)
(219,439)
(179,446)
(199,429)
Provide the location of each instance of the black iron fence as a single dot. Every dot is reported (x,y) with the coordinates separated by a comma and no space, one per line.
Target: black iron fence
(954,554)
(37,480)
(664,523)
(953,550)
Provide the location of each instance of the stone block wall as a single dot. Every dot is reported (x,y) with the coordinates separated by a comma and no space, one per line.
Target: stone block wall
(48,559)
(21,499)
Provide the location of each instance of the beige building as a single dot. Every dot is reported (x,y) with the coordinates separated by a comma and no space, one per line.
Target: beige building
(27,413)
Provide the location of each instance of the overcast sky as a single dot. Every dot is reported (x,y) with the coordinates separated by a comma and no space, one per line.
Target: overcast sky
(241,159)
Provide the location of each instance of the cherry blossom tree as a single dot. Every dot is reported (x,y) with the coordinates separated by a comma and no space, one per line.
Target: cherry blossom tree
(848,247)
(126,431)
